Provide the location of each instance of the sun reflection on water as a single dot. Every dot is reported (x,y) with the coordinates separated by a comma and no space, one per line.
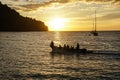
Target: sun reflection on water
(57,37)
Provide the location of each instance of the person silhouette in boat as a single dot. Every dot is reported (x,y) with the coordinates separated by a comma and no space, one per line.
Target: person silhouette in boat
(78,46)
(65,47)
(60,47)
(52,44)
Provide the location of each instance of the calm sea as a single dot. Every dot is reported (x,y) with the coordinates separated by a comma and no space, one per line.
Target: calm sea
(26,56)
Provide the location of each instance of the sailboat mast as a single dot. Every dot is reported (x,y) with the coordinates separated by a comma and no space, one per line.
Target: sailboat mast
(95,21)
(94,32)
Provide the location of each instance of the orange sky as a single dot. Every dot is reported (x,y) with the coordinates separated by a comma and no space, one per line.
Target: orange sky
(70,15)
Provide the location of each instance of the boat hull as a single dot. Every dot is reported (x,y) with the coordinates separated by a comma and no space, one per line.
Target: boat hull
(57,50)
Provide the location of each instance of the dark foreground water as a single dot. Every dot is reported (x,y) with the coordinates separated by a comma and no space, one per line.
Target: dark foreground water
(26,56)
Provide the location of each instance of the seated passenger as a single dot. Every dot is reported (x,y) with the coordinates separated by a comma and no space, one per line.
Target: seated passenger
(52,44)
(68,47)
(60,46)
(78,46)
(65,46)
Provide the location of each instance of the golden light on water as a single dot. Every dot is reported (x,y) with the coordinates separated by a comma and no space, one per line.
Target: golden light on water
(57,24)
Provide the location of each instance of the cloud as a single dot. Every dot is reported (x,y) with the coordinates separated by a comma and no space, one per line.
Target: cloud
(29,5)
(34,4)
(14,0)
(110,16)
(105,17)
(102,1)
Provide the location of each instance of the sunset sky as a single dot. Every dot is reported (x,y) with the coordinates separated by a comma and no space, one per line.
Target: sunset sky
(70,15)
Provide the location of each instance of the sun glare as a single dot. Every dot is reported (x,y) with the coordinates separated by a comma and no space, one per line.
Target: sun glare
(56,24)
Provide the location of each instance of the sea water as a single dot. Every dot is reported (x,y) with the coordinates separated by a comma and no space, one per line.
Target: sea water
(26,56)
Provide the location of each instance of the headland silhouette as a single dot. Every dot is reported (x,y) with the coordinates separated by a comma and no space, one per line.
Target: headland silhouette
(10,20)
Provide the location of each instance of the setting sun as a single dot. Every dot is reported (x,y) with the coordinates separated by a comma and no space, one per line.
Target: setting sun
(57,24)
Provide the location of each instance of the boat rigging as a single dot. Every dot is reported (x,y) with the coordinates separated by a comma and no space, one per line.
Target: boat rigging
(94,32)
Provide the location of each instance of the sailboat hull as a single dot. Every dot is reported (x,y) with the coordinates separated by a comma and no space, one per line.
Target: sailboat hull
(94,33)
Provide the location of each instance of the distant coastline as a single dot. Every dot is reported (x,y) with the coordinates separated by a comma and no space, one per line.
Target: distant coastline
(10,20)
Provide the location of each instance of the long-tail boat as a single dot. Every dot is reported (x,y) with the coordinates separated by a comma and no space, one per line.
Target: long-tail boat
(66,49)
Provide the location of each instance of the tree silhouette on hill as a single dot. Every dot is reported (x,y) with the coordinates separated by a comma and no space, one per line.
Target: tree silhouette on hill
(10,20)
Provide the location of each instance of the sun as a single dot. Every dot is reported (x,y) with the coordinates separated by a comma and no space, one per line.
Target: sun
(56,24)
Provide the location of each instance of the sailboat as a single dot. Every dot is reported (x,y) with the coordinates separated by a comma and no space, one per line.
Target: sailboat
(94,32)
